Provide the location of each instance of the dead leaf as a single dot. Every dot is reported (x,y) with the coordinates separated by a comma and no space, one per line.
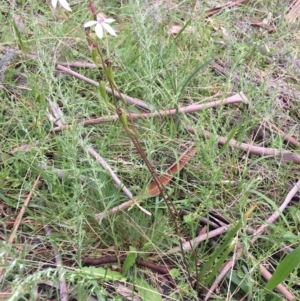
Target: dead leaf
(262,24)
(58,115)
(229,4)
(176,28)
(153,190)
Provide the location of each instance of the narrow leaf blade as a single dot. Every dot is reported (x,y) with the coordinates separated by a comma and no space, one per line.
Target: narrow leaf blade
(129,261)
(101,273)
(286,266)
(146,291)
(193,74)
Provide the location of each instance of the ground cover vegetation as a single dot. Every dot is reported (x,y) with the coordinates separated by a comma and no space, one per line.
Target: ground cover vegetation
(150,150)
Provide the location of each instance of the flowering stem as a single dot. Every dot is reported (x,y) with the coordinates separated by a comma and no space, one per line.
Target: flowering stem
(131,132)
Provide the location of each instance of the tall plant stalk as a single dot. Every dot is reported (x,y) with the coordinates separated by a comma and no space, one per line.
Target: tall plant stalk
(132,134)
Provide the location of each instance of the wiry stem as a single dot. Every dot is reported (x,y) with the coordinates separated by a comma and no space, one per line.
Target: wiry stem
(131,132)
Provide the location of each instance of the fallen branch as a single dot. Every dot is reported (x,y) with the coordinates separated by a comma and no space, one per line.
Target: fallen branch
(60,67)
(134,101)
(103,163)
(18,220)
(116,209)
(202,219)
(267,275)
(58,116)
(193,243)
(22,211)
(237,98)
(288,138)
(63,289)
(110,259)
(224,270)
(286,156)
(294,12)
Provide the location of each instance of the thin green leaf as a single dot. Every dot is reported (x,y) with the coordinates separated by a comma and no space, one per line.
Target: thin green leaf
(170,76)
(192,75)
(183,28)
(238,281)
(100,273)
(272,203)
(231,135)
(146,291)
(18,34)
(6,200)
(208,265)
(129,261)
(286,266)
(218,265)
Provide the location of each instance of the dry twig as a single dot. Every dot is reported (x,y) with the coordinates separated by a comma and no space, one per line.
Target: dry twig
(103,163)
(63,289)
(286,156)
(22,211)
(193,243)
(237,98)
(19,218)
(224,270)
(114,258)
(134,101)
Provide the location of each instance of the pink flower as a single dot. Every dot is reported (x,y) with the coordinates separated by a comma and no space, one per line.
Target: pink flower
(63,3)
(101,24)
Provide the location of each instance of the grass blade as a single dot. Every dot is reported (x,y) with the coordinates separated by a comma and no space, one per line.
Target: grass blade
(231,135)
(208,265)
(283,270)
(146,291)
(129,261)
(183,28)
(100,273)
(192,75)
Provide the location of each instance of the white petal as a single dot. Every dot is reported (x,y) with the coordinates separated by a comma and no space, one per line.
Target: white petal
(109,29)
(54,3)
(65,5)
(109,21)
(90,23)
(99,31)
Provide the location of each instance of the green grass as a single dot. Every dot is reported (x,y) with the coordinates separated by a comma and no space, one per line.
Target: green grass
(155,66)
